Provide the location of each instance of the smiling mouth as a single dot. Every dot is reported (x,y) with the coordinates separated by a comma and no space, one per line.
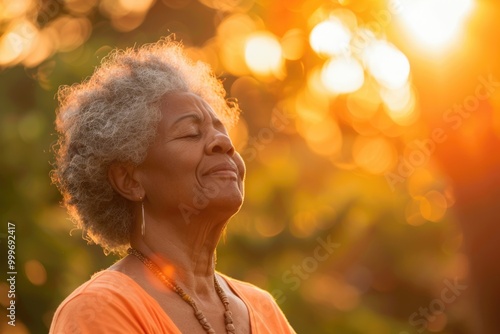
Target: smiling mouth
(224,173)
(223,170)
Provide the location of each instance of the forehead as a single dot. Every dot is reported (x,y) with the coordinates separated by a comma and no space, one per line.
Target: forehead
(176,104)
(178,108)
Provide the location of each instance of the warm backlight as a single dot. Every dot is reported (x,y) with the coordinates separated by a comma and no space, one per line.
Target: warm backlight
(330,38)
(435,22)
(387,64)
(263,53)
(342,75)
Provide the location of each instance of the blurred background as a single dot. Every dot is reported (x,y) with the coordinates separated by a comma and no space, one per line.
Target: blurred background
(369,129)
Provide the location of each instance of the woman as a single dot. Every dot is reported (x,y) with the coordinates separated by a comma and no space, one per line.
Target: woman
(148,171)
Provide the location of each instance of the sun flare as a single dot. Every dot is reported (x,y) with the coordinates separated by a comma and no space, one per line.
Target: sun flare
(435,22)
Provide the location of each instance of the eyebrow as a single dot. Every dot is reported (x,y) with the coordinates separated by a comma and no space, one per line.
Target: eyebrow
(197,119)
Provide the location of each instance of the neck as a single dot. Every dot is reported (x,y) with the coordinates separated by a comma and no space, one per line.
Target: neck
(186,251)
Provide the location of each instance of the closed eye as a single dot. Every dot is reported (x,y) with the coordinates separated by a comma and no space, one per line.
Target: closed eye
(192,136)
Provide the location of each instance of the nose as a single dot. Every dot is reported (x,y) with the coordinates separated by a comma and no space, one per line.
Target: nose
(220,143)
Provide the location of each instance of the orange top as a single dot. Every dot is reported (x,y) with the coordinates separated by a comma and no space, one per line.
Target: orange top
(112,302)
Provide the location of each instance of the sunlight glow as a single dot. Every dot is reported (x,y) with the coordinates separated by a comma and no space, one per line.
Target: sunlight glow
(400,104)
(323,138)
(387,64)
(293,44)
(364,103)
(311,106)
(342,75)
(136,6)
(330,38)
(232,34)
(432,206)
(13,9)
(9,50)
(263,53)
(375,155)
(17,42)
(435,22)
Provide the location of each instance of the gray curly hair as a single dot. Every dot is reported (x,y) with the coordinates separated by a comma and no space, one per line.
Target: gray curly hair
(112,117)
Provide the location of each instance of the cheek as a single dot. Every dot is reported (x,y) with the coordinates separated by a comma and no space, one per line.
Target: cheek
(174,174)
(240,164)
(168,187)
(184,171)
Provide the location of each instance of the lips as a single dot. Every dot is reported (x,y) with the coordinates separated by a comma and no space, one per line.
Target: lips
(223,169)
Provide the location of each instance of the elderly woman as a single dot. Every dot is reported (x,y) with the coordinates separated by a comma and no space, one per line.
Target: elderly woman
(148,171)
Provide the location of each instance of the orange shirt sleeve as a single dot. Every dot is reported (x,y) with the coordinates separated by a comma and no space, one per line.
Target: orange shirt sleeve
(110,303)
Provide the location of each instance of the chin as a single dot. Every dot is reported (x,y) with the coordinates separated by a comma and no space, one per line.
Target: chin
(226,205)
(230,202)
(226,199)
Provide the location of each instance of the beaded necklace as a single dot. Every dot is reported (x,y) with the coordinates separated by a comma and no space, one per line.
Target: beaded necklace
(228,319)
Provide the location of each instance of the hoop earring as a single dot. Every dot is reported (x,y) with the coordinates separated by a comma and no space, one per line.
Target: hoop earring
(143,223)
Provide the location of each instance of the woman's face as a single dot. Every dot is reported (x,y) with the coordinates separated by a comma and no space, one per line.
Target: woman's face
(192,168)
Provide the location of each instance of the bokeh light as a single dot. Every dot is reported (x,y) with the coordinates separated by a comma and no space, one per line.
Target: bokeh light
(227,5)
(263,53)
(232,34)
(269,228)
(400,104)
(388,65)
(433,205)
(364,103)
(125,15)
(323,137)
(17,41)
(435,22)
(293,44)
(311,106)
(375,155)
(342,75)
(15,9)
(80,7)
(35,272)
(330,37)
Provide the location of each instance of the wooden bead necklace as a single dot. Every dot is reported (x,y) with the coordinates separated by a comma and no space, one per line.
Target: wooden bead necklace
(228,319)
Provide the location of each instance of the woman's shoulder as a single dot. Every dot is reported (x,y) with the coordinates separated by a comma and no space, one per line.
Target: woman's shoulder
(103,289)
(110,302)
(105,282)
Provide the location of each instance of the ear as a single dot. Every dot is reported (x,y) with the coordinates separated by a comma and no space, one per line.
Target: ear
(122,179)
